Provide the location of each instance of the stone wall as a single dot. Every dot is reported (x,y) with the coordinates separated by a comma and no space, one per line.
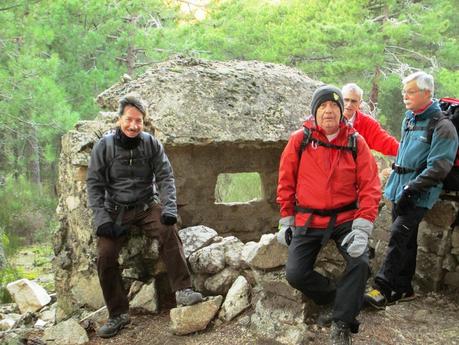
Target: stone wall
(197,169)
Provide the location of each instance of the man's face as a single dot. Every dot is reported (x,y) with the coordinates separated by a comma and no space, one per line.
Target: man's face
(414,98)
(131,122)
(352,102)
(328,116)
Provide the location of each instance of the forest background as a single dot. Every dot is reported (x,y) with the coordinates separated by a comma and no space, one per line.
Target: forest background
(56,56)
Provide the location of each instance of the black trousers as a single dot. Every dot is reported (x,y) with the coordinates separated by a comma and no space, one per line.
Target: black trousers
(171,252)
(347,294)
(399,265)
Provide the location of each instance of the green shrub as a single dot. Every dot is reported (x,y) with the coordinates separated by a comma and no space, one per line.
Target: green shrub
(7,275)
(27,213)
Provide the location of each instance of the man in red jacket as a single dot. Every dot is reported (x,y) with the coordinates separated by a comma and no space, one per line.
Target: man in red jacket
(328,190)
(370,129)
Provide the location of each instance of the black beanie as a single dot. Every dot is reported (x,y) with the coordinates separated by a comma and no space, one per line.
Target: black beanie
(326,93)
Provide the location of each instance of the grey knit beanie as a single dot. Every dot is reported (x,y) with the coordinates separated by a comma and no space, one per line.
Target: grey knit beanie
(326,93)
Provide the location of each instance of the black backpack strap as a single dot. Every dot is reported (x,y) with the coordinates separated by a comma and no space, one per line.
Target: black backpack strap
(307,138)
(433,124)
(353,145)
(109,154)
(307,134)
(148,144)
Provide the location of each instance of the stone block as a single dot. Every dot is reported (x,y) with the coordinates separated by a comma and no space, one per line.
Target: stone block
(186,320)
(65,333)
(146,299)
(196,237)
(266,254)
(237,300)
(28,295)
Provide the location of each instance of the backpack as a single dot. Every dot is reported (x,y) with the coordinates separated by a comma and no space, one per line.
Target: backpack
(307,138)
(450,109)
(110,149)
(450,112)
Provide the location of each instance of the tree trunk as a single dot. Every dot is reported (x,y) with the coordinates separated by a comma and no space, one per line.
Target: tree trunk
(2,252)
(35,158)
(374,93)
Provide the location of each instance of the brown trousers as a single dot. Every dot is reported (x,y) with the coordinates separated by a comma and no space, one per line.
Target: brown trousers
(170,249)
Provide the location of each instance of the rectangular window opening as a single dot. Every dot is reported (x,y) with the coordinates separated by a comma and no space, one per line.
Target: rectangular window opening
(238,188)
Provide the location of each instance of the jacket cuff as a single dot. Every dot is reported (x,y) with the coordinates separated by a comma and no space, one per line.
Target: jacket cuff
(363,224)
(101,216)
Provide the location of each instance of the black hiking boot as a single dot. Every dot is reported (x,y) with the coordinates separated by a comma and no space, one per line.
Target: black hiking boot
(113,326)
(340,334)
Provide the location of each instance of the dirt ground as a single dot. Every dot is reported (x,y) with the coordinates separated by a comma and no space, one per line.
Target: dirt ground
(430,319)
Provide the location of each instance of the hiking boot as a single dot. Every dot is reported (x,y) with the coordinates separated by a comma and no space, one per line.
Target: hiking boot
(340,334)
(397,297)
(113,326)
(324,317)
(377,300)
(187,297)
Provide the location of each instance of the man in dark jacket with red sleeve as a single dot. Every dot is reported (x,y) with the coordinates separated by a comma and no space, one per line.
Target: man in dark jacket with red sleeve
(328,190)
(370,129)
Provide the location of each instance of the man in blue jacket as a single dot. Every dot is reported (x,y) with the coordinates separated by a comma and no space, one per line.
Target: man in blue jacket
(414,186)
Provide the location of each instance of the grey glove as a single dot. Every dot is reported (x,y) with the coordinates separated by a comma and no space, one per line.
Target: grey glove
(357,239)
(285,233)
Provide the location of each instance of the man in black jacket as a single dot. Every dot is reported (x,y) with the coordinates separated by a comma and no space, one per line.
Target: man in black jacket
(123,170)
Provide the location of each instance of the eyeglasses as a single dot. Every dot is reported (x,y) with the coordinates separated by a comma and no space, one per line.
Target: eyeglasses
(410,92)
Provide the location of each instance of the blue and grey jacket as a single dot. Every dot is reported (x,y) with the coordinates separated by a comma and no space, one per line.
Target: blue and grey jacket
(129,177)
(415,151)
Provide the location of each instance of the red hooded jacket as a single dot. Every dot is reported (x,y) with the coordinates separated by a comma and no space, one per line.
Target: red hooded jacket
(375,136)
(328,178)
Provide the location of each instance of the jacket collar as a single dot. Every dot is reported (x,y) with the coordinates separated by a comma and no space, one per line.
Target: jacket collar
(428,113)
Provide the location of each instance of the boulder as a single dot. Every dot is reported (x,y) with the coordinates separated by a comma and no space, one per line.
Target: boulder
(186,320)
(210,259)
(237,300)
(28,295)
(220,283)
(196,237)
(266,254)
(65,333)
(146,299)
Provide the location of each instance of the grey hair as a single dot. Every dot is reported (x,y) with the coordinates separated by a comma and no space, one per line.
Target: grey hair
(133,100)
(352,87)
(424,81)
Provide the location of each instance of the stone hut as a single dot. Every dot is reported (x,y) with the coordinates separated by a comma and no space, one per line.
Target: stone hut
(213,118)
(222,118)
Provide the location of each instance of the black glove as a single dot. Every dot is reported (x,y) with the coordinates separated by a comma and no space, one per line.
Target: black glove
(168,219)
(288,236)
(111,230)
(406,201)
